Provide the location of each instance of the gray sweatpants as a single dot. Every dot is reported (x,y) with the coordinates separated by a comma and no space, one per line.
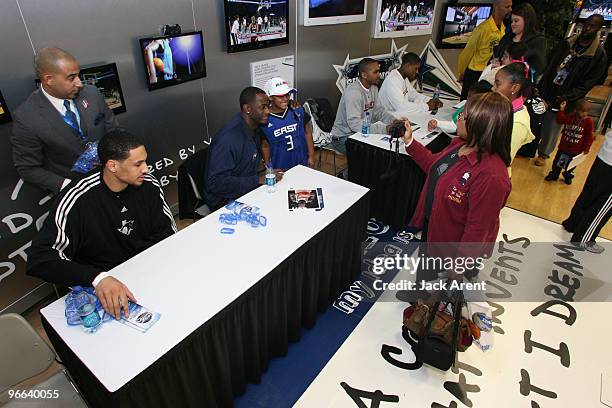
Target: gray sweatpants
(550,134)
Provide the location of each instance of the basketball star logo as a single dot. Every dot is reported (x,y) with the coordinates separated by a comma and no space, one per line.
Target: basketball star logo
(126,227)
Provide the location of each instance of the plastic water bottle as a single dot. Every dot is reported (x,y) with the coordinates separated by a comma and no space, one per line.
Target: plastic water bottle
(436,97)
(87,311)
(365,125)
(72,306)
(270,179)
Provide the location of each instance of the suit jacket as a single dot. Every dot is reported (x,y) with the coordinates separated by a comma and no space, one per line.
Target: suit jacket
(45,147)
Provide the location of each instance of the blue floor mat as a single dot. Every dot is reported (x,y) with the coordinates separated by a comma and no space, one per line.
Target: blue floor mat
(288,377)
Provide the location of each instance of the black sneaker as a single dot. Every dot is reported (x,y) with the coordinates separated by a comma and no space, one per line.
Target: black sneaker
(550,177)
(568,180)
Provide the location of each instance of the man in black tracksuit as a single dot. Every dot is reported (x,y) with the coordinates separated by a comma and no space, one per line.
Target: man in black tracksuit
(102,221)
(234,155)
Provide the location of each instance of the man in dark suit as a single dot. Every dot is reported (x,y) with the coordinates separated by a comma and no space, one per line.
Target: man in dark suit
(58,123)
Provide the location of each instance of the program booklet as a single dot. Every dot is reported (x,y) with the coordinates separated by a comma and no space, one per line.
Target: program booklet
(140,318)
(305,199)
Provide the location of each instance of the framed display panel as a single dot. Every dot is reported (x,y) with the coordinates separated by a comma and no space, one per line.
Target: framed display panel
(254,24)
(324,12)
(5,115)
(458,21)
(172,60)
(399,18)
(106,79)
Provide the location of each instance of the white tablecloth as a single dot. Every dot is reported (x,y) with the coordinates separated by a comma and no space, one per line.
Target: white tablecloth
(193,275)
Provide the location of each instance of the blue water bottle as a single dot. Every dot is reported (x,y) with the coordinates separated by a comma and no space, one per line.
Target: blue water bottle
(365,125)
(87,311)
(270,179)
(436,97)
(72,307)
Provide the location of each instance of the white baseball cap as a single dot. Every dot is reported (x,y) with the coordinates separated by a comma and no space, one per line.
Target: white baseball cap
(277,86)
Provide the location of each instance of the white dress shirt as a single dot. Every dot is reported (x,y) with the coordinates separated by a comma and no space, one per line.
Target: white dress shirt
(398,95)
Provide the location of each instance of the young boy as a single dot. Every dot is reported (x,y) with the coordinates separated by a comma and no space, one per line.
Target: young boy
(576,138)
(288,134)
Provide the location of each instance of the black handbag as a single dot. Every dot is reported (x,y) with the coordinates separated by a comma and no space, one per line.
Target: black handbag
(432,349)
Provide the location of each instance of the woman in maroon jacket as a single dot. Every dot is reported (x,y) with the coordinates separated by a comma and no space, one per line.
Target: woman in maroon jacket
(467,183)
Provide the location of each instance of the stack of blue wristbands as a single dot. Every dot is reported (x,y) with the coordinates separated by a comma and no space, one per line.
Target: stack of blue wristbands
(253,219)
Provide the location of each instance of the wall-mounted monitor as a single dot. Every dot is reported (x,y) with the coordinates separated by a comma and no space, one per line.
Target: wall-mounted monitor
(106,79)
(171,60)
(322,12)
(589,7)
(254,24)
(5,115)
(458,21)
(399,18)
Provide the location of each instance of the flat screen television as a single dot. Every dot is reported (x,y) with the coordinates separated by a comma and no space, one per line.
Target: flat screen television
(106,79)
(458,21)
(589,7)
(171,60)
(254,24)
(323,12)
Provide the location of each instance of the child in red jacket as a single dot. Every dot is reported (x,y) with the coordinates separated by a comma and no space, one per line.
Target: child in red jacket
(576,138)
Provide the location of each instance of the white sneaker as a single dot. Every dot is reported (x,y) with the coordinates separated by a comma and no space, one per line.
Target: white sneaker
(594,247)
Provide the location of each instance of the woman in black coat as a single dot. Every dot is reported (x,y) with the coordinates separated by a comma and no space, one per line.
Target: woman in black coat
(524,28)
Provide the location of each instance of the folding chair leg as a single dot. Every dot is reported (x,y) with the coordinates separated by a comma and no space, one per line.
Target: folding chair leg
(320,155)
(335,172)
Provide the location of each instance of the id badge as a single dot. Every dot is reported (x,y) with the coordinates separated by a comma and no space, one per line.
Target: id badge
(561,77)
(88,160)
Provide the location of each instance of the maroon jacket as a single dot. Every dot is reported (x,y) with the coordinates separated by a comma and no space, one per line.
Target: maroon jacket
(468,197)
(577,134)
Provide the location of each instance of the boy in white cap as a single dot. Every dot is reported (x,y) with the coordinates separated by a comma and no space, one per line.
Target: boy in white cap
(288,134)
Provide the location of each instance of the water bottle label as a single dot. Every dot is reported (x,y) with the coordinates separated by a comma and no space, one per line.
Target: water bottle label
(89,315)
(270,179)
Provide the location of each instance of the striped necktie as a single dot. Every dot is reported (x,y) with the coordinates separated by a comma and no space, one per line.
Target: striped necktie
(71,120)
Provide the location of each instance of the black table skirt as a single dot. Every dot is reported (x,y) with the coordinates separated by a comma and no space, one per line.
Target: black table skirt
(394,196)
(215,362)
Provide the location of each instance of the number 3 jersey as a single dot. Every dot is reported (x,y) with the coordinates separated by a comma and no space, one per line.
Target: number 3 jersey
(286,136)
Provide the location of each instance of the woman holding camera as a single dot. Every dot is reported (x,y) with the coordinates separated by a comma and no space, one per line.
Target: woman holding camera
(467,183)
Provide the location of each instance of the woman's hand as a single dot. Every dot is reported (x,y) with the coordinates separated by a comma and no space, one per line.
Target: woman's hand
(408,133)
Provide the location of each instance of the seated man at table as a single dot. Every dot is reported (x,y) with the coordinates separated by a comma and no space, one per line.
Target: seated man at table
(397,93)
(234,155)
(102,221)
(358,98)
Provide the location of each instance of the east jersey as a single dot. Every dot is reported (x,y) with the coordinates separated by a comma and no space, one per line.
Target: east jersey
(286,136)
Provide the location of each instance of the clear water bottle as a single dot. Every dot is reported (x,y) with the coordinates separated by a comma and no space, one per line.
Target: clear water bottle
(365,125)
(436,97)
(270,179)
(72,306)
(90,318)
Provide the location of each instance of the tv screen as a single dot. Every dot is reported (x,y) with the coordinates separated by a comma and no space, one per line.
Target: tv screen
(253,24)
(458,21)
(171,60)
(321,12)
(106,79)
(603,7)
